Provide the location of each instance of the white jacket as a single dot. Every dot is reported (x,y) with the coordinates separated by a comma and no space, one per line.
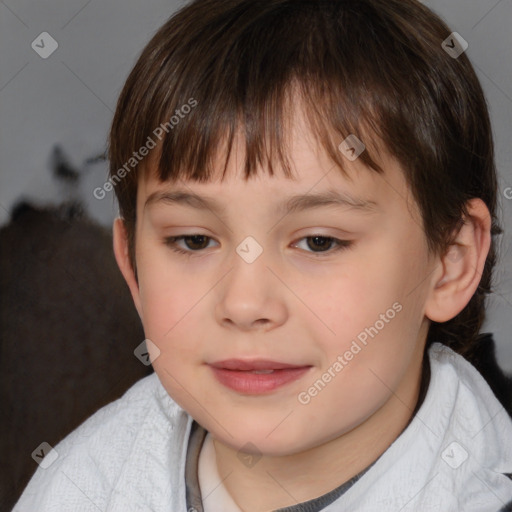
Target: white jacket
(130,455)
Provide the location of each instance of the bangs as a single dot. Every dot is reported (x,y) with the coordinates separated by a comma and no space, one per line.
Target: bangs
(250,73)
(245,68)
(264,124)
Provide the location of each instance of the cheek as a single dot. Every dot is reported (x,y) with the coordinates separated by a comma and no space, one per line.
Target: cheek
(366,314)
(169,299)
(353,300)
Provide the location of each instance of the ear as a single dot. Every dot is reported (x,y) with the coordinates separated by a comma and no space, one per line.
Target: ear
(460,269)
(123,261)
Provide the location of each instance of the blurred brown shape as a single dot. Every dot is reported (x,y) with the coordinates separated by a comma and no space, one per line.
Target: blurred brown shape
(68,328)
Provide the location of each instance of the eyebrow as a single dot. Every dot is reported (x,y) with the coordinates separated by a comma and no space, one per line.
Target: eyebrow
(291,204)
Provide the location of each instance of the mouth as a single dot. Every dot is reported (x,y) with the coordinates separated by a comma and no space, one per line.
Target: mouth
(256,376)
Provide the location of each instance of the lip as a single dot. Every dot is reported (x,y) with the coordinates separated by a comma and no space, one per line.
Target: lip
(236,374)
(253,364)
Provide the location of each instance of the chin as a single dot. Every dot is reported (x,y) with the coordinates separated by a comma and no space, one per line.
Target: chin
(263,438)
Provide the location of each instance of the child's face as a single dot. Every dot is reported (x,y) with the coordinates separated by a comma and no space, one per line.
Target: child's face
(352,319)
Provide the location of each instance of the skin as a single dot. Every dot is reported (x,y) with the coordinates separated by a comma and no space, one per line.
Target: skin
(291,306)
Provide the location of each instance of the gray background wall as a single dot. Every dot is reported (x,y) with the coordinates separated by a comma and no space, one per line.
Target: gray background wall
(69,98)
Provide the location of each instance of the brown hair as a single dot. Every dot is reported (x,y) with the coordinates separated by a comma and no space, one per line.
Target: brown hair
(373,68)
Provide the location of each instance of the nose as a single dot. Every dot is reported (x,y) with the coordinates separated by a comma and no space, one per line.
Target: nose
(251,297)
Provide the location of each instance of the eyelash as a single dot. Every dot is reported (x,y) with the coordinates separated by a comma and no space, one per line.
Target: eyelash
(341,244)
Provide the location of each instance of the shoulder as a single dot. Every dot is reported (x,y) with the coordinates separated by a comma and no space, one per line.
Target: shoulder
(457,377)
(482,361)
(454,455)
(114,427)
(483,358)
(141,431)
(469,409)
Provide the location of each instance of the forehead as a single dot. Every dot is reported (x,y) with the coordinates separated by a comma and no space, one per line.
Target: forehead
(316,181)
(366,196)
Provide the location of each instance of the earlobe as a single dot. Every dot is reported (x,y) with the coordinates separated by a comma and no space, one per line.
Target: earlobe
(123,261)
(460,269)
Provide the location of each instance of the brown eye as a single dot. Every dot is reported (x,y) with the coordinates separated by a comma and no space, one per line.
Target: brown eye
(322,243)
(193,243)
(319,244)
(196,242)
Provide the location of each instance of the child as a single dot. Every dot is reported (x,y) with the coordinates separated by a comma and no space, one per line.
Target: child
(307,194)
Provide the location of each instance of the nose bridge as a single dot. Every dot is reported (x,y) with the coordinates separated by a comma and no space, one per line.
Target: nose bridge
(249,293)
(248,279)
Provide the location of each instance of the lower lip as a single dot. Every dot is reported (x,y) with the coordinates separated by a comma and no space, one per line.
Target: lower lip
(257,383)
